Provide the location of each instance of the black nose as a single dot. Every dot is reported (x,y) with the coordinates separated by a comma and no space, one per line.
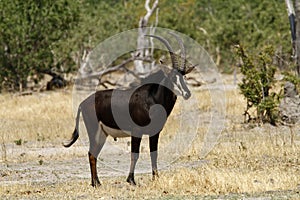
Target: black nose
(187,95)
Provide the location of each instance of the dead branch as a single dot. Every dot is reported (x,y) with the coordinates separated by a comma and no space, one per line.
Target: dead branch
(120,67)
(144,20)
(105,83)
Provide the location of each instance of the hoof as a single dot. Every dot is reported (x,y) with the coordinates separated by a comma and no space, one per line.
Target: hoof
(154,175)
(130,181)
(96,183)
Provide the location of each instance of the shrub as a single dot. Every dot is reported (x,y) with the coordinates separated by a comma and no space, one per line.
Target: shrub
(31,36)
(256,85)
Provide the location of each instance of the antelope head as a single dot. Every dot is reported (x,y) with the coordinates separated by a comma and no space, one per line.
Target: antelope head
(177,73)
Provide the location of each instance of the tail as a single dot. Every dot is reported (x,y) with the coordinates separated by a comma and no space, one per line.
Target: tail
(75,134)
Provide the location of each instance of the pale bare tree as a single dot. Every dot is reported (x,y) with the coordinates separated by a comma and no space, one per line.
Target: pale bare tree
(144,43)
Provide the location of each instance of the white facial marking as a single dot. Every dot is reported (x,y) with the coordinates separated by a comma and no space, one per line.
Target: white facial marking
(178,87)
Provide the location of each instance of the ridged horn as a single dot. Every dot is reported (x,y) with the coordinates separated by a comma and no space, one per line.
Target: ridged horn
(183,53)
(167,44)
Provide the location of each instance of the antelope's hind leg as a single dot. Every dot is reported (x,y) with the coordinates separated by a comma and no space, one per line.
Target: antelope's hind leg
(96,145)
(97,140)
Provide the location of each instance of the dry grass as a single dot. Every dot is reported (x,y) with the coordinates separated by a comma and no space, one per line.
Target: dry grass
(246,160)
(45,116)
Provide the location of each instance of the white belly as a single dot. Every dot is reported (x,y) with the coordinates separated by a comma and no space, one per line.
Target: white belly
(115,133)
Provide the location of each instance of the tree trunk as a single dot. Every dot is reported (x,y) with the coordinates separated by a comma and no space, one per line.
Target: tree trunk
(143,45)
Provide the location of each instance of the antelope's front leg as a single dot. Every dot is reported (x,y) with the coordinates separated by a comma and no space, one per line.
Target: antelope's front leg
(135,151)
(153,143)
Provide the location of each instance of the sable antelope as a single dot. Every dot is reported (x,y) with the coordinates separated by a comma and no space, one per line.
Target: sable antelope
(133,112)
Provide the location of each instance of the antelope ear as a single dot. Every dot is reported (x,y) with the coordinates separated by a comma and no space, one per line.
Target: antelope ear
(188,70)
(162,60)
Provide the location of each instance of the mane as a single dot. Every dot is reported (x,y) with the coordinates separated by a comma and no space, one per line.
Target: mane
(155,77)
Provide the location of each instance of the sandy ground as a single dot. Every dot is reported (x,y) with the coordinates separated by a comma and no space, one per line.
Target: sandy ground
(52,164)
(44,166)
(41,161)
(33,168)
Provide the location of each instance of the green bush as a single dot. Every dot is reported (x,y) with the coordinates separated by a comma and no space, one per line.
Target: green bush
(31,36)
(38,35)
(258,71)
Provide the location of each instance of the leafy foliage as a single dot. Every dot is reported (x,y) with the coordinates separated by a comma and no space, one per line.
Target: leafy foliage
(216,25)
(30,35)
(40,35)
(256,85)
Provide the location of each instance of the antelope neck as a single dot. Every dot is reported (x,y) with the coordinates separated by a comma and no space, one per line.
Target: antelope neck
(164,87)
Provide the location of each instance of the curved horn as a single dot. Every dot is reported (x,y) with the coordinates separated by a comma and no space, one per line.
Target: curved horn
(167,44)
(183,53)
